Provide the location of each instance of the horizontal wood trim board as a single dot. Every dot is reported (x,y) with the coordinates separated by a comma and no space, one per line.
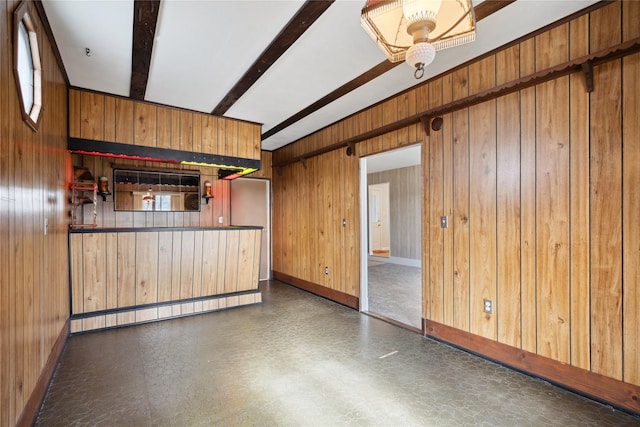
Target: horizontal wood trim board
(160,319)
(89,146)
(90,314)
(605,389)
(582,64)
(336,296)
(30,411)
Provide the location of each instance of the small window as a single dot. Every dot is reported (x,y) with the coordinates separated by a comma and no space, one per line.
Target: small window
(27,67)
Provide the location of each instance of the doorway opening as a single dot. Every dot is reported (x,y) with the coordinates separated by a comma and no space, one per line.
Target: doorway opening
(251,205)
(391,236)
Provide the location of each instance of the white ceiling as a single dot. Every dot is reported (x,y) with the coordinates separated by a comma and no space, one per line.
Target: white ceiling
(202,48)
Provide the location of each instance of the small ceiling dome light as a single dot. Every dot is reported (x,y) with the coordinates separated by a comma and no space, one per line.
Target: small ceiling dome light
(413,30)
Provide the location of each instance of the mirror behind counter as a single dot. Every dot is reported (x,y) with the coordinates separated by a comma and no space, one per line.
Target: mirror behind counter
(142,190)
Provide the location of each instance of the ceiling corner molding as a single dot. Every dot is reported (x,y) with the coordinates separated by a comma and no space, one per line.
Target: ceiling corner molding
(300,23)
(145,18)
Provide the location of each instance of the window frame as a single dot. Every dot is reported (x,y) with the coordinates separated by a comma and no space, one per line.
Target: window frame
(22,16)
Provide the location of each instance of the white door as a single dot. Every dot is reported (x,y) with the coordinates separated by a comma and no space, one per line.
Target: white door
(379,228)
(251,205)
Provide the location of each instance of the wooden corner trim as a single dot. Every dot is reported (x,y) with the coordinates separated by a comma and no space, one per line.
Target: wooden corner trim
(598,387)
(332,294)
(32,406)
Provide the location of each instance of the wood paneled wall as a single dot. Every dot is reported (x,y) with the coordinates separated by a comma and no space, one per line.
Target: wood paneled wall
(135,270)
(315,222)
(113,119)
(541,188)
(405,207)
(34,284)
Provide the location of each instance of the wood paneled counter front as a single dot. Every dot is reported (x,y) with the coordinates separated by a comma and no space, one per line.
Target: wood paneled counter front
(126,276)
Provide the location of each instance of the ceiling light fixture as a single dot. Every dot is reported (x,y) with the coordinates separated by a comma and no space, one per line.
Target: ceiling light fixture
(413,30)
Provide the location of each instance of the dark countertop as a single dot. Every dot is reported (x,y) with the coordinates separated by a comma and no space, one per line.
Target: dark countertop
(161,229)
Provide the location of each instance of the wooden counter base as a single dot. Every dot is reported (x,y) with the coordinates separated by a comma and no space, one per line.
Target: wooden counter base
(126,276)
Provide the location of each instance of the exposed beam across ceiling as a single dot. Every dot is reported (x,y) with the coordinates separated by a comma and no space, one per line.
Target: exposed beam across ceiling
(145,18)
(302,21)
(489,7)
(144,25)
(481,11)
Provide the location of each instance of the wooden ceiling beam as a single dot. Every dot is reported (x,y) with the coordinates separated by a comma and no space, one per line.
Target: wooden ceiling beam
(145,18)
(301,22)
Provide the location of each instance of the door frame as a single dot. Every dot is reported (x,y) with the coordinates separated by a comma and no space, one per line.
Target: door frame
(364,236)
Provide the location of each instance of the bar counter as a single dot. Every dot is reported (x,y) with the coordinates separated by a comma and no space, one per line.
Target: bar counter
(124,276)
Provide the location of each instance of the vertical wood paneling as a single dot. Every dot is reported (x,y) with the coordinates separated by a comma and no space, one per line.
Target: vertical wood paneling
(75,114)
(150,265)
(460,216)
(231,266)
(508,201)
(124,121)
(552,214)
(231,138)
(126,272)
(94,274)
(147,268)
(482,203)
(209,262)
(528,201)
(542,199)
(164,128)
(197,264)
(579,203)
(111,255)
(34,290)
(186,131)
(106,118)
(92,116)
(77,273)
(165,264)
(631,199)
(606,201)
(145,125)
(110,119)
(187,264)
(221,273)
(246,256)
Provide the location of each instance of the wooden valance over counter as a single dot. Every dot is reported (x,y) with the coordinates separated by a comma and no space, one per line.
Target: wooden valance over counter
(127,276)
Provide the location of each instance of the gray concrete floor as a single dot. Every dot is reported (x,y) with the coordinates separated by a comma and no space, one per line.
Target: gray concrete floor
(295,360)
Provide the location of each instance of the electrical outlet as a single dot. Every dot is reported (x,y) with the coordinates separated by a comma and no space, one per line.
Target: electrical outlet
(488,306)
(220,221)
(326,270)
(46,226)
